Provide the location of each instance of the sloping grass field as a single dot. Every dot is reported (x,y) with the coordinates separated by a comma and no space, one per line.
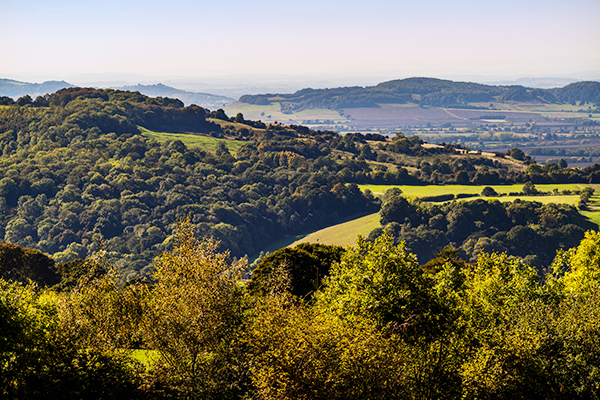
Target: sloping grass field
(343,234)
(204,142)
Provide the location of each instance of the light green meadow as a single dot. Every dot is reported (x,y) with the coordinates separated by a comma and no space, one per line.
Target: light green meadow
(204,142)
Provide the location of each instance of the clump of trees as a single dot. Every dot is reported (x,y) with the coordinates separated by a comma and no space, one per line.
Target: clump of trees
(531,230)
(380,326)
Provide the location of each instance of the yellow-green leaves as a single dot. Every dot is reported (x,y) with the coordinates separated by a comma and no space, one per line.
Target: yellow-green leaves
(584,263)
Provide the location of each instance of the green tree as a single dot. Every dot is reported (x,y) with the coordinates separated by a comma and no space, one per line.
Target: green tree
(529,188)
(307,265)
(382,282)
(192,316)
(23,264)
(37,360)
(488,192)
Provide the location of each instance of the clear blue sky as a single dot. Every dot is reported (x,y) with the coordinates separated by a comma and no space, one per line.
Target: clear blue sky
(197,39)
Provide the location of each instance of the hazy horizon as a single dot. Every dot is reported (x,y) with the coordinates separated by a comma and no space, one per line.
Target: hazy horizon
(265,43)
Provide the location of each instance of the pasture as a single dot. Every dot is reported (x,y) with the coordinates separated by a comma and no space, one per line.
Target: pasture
(204,142)
(436,190)
(343,234)
(593,213)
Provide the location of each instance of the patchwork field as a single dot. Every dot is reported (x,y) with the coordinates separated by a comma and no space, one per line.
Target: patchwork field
(392,116)
(269,113)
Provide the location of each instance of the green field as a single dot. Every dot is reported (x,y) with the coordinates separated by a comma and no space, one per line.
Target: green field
(436,190)
(146,357)
(343,234)
(236,125)
(204,142)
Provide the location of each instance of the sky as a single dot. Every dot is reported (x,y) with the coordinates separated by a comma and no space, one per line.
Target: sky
(363,42)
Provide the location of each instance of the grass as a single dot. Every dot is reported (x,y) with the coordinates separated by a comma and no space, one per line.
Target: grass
(146,357)
(436,190)
(204,142)
(343,234)
(235,125)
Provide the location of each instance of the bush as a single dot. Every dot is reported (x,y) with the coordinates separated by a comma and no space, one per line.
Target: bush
(488,192)
(441,197)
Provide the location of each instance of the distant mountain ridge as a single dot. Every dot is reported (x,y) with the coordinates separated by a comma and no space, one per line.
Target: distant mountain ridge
(12,88)
(15,89)
(205,100)
(426,92)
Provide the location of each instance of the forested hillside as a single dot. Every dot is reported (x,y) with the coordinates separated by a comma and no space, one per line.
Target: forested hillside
(159,310)
(78,174)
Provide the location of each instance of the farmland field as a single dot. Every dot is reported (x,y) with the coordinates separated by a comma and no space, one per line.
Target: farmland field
(593,214)
(342,234)
(272,112)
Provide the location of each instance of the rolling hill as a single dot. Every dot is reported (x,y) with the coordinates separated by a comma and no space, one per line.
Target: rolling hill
(12,88)
(427,103)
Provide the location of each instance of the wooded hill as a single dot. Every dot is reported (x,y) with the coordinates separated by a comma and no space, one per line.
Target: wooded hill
(426,92)
(77,172)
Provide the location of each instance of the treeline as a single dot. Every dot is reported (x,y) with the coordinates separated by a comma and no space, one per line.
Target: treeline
(379,326)
(527,229)
(425,92)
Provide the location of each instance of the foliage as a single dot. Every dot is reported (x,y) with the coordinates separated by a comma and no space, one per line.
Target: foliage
(381,326)
(431,92)
(382,282)
(307,265)
(38,361)
(77,171)
(488,192)
(23,264)
(191,317)
(531,230)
